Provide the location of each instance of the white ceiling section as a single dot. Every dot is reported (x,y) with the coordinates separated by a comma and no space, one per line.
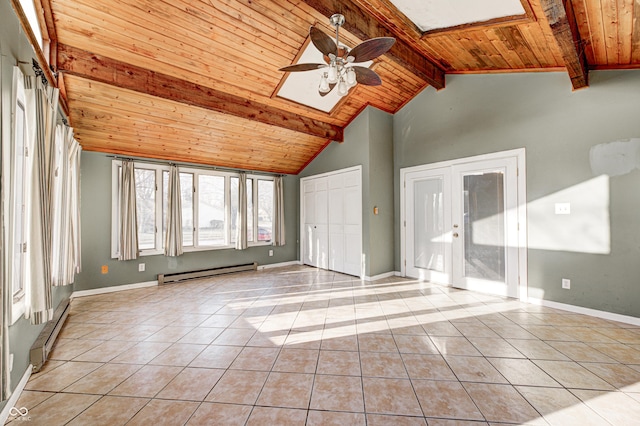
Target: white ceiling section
(437,14)
(302,87)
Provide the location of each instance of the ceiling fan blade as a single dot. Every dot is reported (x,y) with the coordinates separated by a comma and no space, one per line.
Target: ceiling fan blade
(331,86)
(302,67)
(322,42)
(366,76)
(371,49)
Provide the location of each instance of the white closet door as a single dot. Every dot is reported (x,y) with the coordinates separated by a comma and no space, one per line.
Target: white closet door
(336,223)
(352,219)
(332,221)
(315,223)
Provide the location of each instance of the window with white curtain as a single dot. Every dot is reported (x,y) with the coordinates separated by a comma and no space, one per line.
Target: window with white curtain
(186,198)
(209,208)
(17,225)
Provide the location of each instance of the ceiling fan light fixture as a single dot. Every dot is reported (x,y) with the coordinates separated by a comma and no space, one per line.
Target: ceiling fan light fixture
(332,75)
(343,89)
(351,77)
(324,84)
(339,59)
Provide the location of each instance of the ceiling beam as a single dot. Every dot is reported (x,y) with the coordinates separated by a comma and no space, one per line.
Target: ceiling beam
(563,24)
(364,26)
(81,63)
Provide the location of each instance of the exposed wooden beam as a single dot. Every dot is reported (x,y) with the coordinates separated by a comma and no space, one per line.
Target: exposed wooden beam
(563,24)
(81,63)
(364,26)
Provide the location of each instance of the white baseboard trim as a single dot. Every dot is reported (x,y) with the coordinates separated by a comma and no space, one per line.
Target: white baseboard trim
(585,311)
(112,289)
(279,265)
(13,399)
(380,276)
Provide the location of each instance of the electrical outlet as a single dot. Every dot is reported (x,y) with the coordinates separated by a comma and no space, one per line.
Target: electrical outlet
(270,252)
(563,208)
(140,267)
(566,283)
(105,269)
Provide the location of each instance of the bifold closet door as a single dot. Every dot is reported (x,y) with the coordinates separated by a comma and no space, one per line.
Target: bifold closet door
(332,218)
(316,238)
(345,222)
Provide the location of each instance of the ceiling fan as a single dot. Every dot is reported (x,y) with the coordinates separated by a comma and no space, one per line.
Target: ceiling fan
(340,60)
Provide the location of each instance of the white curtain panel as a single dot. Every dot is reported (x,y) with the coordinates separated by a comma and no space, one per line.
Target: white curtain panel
(278,210)
(173,238)
(58,176)
(41,109)
(65,173)
(127,214)
(74,263)
(241,218)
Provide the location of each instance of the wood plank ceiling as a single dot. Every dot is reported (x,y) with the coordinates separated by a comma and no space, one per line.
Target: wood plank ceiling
(195,81)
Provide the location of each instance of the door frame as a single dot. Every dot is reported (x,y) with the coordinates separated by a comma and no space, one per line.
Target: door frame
(519,155)
(302,212)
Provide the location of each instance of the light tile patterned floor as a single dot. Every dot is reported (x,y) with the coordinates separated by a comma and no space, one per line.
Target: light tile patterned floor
(295,346)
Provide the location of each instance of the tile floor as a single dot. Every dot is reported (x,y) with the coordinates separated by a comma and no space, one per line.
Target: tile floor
(295,346)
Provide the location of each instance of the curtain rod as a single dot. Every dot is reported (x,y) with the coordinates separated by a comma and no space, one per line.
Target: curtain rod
(192,165)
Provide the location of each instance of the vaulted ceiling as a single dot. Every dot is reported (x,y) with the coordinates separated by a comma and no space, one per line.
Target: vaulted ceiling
(196,81)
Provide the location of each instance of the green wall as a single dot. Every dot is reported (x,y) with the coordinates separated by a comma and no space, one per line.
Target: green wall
(368,142)
(597,246)
(96,237)
(14,47)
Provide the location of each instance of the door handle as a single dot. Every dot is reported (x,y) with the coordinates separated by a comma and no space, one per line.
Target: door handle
(455,234)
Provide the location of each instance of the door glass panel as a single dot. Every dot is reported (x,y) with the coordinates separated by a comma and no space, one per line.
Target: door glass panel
(484,226)
(429,225)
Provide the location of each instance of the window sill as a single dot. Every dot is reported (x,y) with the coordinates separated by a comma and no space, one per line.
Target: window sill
(145,253)
(17,310)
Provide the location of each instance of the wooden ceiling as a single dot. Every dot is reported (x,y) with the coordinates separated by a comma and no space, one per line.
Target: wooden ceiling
(194,81)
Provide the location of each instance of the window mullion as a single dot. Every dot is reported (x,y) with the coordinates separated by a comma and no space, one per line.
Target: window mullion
(196,210)
(227,210)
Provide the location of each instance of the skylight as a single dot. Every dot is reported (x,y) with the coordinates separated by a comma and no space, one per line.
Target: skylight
(431,15)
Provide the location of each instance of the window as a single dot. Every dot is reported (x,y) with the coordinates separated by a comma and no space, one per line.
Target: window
(18,224)
(209,208)
(265,209)
(146,208)
(29,9)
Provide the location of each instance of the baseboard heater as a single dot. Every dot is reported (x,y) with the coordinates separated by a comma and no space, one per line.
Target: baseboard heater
(202,273)
(44,343)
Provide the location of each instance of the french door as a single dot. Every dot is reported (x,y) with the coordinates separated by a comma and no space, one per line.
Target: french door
(428,217)
(461,225)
